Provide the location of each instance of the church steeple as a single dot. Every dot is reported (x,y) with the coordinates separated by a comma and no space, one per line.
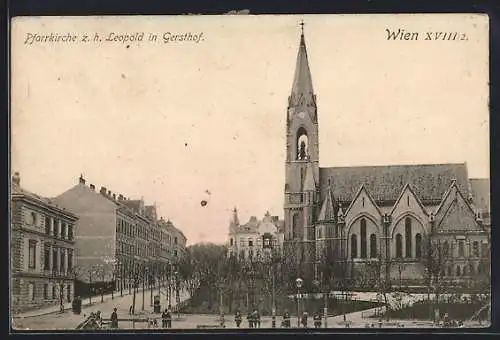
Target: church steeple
(302,89)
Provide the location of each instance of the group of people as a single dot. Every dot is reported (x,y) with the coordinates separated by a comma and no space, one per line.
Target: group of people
(254,321)
(166,317)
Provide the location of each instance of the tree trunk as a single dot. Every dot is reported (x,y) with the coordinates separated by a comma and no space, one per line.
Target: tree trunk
(133,300)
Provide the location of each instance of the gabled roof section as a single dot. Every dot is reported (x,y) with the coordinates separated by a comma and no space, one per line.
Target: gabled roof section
(358,203)
(453,206)
(385,183)
(327,212)
(452,195)
(412,198)
(309,181)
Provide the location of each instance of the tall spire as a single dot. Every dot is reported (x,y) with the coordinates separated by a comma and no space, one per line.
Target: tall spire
(302,89)
(234,220)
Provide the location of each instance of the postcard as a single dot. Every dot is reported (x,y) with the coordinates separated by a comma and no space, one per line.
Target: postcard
(205,172)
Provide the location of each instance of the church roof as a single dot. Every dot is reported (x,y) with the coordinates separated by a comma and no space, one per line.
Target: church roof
(309,181)
(480,188)
(385,183)
(327,212)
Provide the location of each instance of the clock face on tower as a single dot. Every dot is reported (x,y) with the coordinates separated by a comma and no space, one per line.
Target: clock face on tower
(302,114)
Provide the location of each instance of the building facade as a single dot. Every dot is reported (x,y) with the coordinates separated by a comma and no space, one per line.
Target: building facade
(251,240)
(390,217)
(42,250)
(120,242)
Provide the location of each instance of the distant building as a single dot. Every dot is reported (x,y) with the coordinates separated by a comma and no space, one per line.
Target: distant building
(119,241)
(42,250)
(253,240)
(383,216)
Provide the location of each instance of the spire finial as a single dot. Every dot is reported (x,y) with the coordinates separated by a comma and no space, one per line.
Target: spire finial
(302,27)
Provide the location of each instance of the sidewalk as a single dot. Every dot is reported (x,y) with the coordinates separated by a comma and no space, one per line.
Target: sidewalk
(96,301)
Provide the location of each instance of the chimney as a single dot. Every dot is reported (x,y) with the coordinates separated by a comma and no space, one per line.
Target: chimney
(103,191)
(81,179)
(16,179)
(114,196)
(92,187)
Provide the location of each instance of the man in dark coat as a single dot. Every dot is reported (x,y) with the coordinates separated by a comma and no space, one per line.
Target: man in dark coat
(114,319)
(237,318)
(164,319)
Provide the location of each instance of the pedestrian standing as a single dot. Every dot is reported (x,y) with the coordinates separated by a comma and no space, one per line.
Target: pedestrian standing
(237,318)
(169,318)
(304,320)
(257,318)
(164,319)
(317,320)
(250,320)
(114,319)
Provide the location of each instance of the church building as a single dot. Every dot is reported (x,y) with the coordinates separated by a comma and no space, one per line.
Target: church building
(392,215)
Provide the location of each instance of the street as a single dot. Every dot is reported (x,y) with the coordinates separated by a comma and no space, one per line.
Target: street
(68,320)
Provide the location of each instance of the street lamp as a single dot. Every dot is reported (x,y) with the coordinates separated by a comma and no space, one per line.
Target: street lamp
(177,296)
(112,261)
(145,274)
(298,283)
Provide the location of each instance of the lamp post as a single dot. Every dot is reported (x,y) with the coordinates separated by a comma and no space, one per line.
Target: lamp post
(151,287)
(177,296)
(90,285)
(145,273)
(298,283)
(111,261)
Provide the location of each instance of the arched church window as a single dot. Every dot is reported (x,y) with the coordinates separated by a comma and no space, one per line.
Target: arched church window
(399,246)
(302,144)
(458,271)
(471,269)
(373,246)
(354,246)
(408,237)
(295,225)
(418,245)
(363,238)
(231,242)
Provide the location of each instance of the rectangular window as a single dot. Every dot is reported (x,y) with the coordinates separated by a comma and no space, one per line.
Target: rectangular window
(54,291)
(47,225)
(484,250)
(31,291)
(70,232)
(62,264)
(56,228)
(46,258)
(250,243)
(32,254)
(475,249)
(45,291)
(68,293)
(70,261)
(63,230)
(54,259)
(461,248)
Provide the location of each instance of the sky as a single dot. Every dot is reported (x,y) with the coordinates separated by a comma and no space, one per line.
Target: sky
(169,121)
